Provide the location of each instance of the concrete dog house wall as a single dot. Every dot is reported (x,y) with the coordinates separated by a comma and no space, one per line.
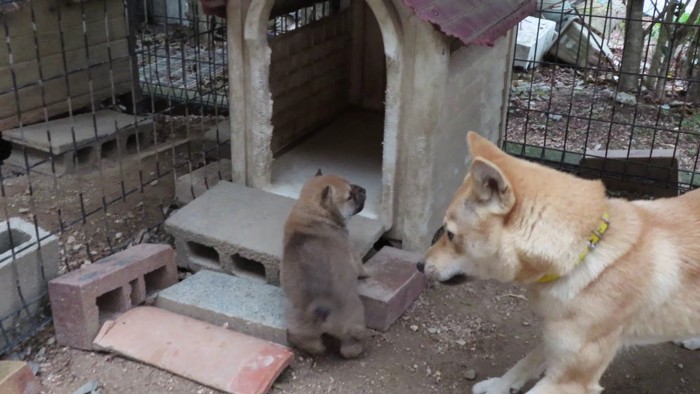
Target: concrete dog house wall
(379,91)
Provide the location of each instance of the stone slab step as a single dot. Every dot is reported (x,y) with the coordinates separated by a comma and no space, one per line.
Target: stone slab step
(248,306)
(214,356)
(236,229)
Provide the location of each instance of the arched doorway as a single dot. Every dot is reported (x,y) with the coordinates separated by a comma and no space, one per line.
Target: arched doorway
(324,94)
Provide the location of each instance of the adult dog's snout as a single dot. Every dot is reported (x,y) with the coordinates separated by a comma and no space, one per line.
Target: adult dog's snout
(420,266)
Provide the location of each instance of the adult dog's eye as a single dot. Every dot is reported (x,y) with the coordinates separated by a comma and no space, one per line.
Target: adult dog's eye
(450,235)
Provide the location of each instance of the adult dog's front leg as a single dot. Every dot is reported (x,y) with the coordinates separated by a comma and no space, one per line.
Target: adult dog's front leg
(575,366)
(530,367)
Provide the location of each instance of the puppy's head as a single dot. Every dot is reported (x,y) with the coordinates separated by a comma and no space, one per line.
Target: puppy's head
(334,196)
(471,242)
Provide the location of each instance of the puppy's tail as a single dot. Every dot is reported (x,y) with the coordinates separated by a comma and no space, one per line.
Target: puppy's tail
(320,309)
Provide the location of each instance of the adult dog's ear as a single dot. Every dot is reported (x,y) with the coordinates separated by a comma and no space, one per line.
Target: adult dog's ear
(319,173)
(491,186)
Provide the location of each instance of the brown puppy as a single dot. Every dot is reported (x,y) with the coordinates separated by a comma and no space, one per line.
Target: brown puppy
(320,267)
(602,273)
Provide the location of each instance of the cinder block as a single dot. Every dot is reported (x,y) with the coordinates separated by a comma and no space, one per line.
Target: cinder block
(83,299)
(238,230)
(393,285)
(250,307)
(24,266)
(192,185)
(16,377)
(643,171)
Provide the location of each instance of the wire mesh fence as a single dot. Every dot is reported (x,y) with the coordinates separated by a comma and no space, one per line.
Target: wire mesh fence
(615,94)
(106,103)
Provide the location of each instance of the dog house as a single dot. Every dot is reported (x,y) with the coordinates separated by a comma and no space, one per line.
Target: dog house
(379,91)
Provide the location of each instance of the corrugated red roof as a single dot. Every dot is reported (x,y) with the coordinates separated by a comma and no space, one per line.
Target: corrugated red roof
(478,22)
(214,7)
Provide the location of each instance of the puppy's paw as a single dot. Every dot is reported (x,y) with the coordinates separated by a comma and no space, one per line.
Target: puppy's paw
(690,344)
(493,386)
(351,350)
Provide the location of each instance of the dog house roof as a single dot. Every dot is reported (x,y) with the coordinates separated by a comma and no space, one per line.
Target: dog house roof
(478,22)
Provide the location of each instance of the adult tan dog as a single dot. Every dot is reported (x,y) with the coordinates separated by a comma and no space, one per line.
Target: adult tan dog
(320,267)
(602,273)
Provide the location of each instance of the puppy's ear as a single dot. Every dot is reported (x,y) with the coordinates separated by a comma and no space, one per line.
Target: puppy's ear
(491,186)
(318,173)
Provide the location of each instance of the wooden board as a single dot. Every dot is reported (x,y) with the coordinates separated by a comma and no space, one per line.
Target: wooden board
(49,40)
(47,18)
(58,33)
(52,66)
(77,102)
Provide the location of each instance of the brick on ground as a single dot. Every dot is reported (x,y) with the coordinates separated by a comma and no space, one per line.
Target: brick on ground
(248,306)
(16,377)
(83,299)
(393,285)
(211,355)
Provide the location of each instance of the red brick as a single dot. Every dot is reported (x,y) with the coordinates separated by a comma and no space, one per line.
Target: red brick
(211,355)
(393,285)
(16,377)
(83,299)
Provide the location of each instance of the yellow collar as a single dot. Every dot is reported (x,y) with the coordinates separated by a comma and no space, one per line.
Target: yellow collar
(593,240)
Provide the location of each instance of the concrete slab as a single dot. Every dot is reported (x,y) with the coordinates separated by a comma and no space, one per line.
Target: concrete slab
(65,145)
(214,356)
(394,283)
(238,230)
(192,185)
(16,377)
(250,307)
(105,122)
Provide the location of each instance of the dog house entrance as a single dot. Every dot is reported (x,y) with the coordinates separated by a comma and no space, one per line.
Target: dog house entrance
(328,82)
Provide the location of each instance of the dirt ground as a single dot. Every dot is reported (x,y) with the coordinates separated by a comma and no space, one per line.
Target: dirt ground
(450,335)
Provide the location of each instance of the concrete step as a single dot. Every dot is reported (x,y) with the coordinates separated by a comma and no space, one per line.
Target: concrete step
(238,230)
